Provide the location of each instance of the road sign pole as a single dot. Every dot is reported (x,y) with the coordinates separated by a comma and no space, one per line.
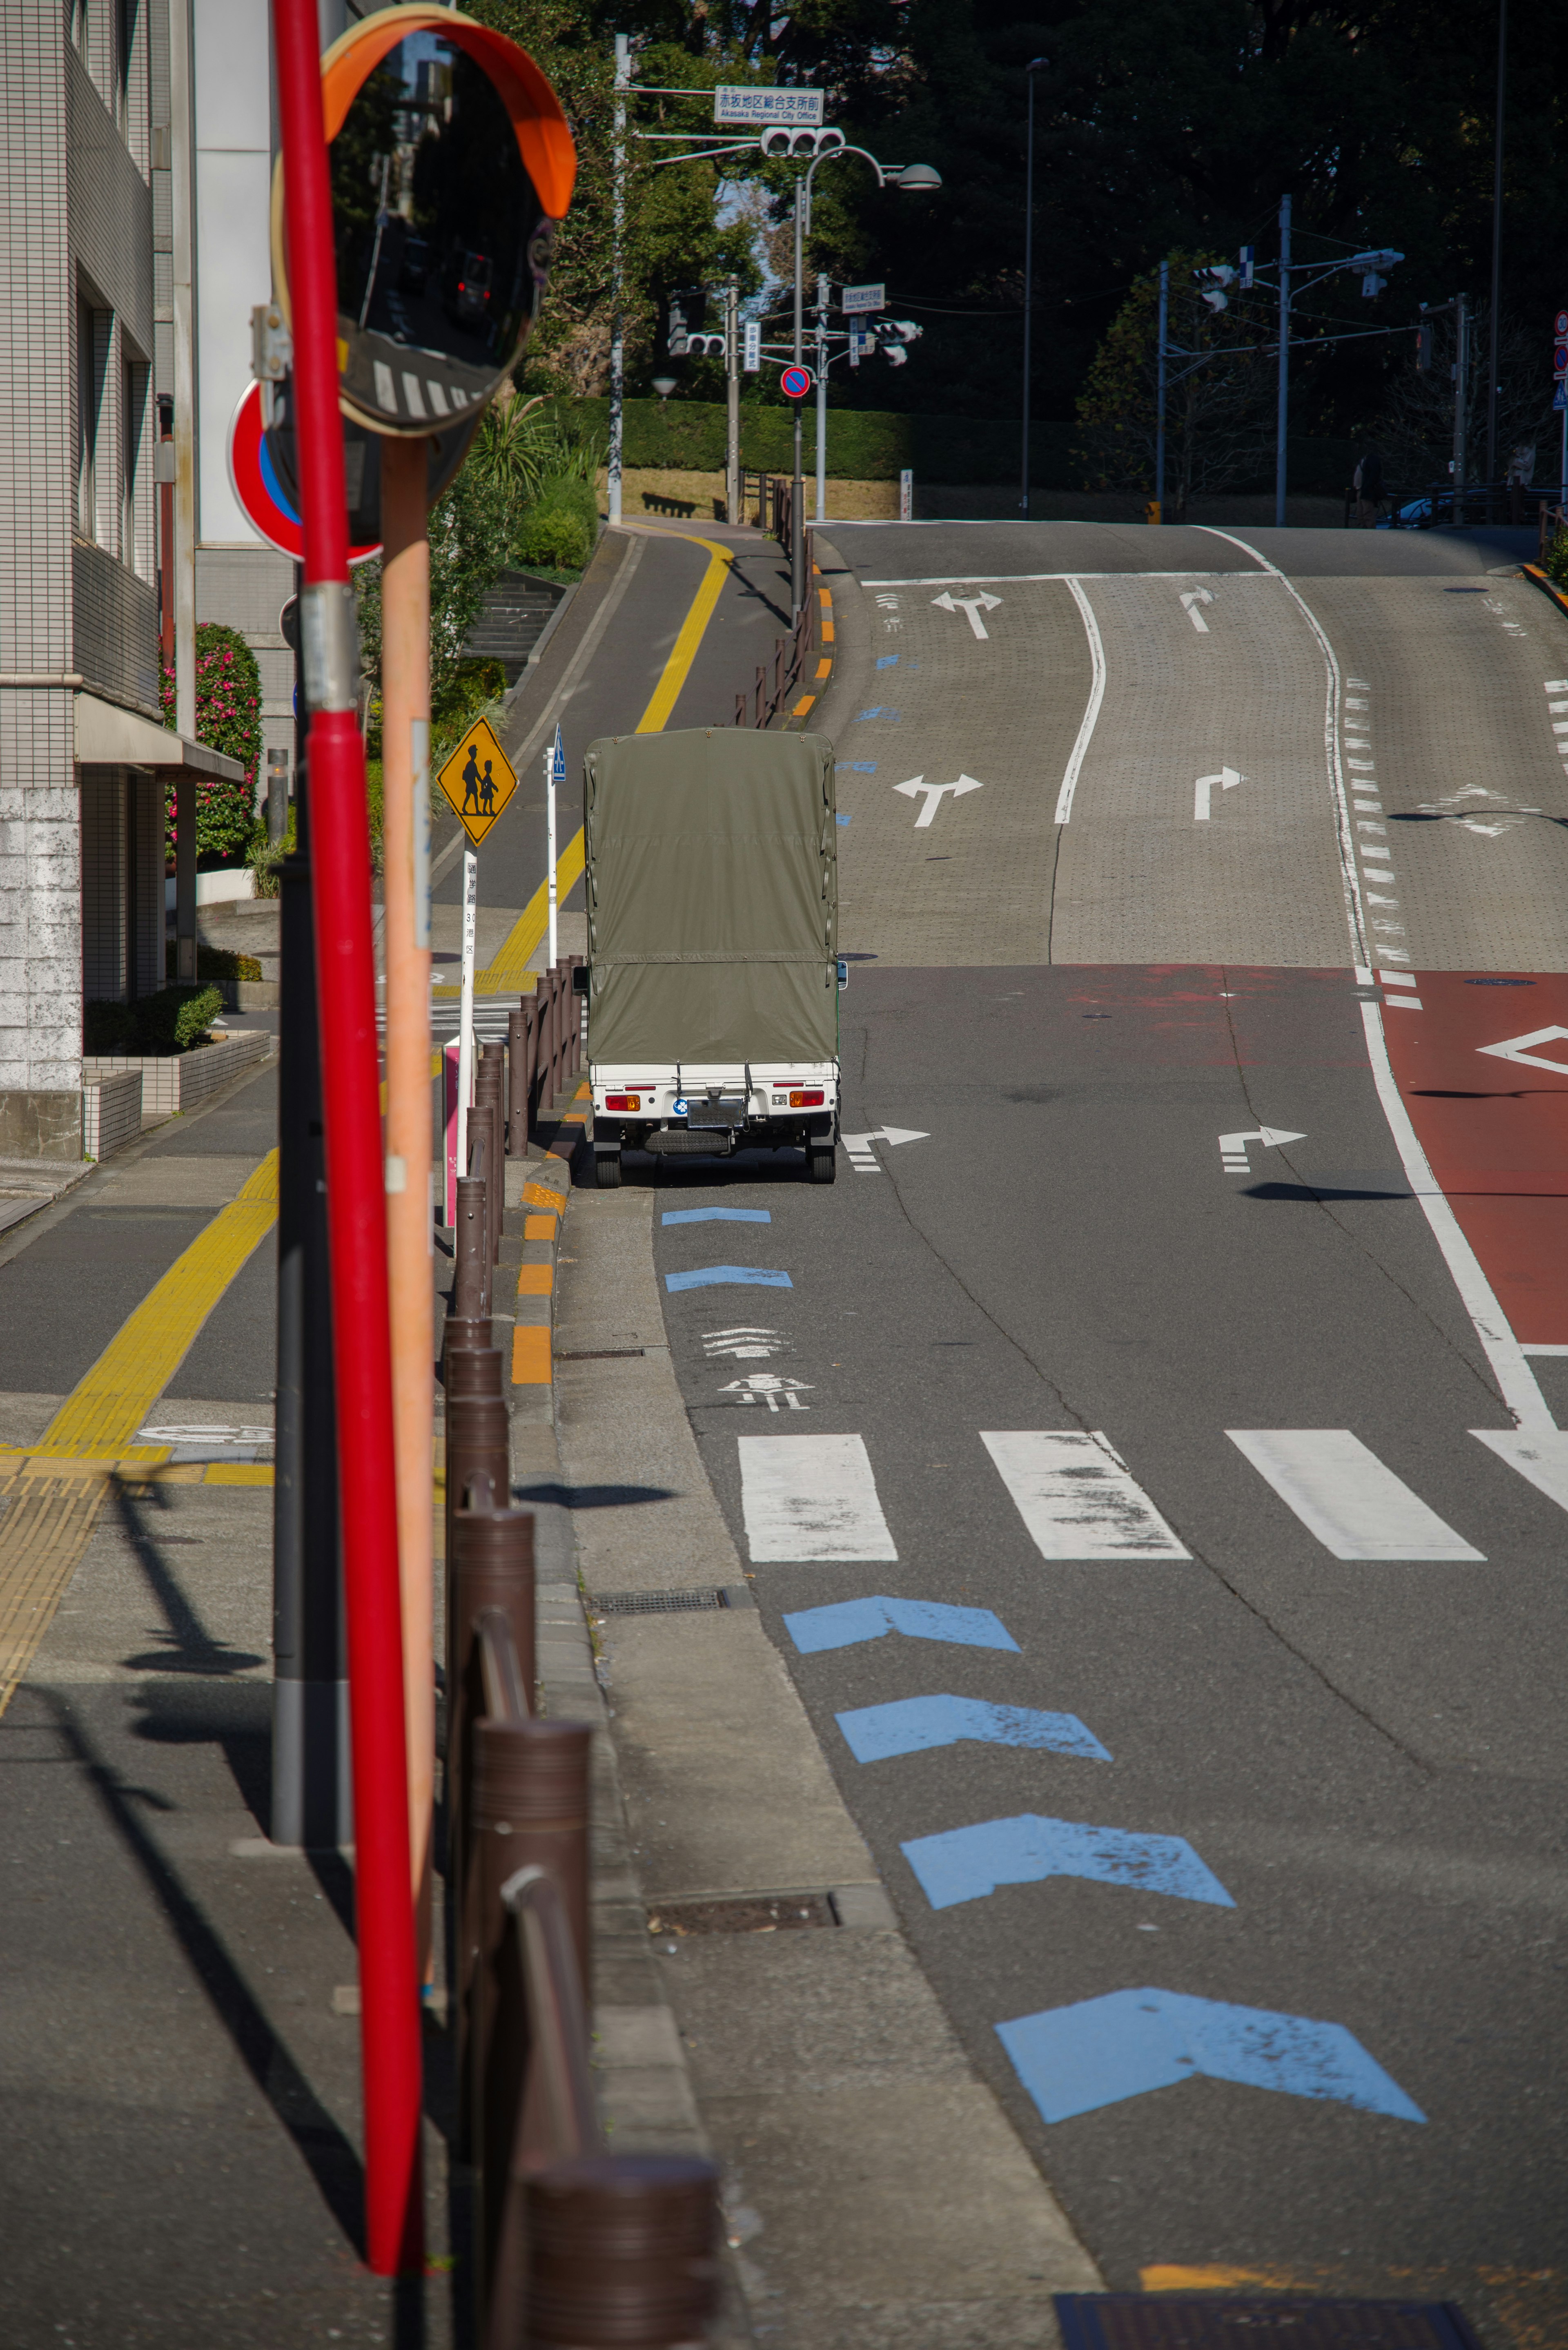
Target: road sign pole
(550,842)
(1282,406)
(356,1197)
(405,751)
(798,536)
(822,291)
(465,1006)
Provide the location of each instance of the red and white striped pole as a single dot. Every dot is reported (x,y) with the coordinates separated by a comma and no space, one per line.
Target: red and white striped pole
(356,1184)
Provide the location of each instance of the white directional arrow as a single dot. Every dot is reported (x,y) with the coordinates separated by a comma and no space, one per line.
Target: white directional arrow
(1189,603)
(1517,1048)
(933,793)
(863,1158)
(1234,1146)
(1227,778)
(973,605)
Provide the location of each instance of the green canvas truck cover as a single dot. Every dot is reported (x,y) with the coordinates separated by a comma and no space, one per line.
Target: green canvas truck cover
(712,897)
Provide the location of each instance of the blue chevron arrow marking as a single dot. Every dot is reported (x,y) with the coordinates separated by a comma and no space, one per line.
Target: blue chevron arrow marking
(1073,2060)
(965,1863)
(913,1724)
(717,1216)
(846,1622)
(715,1276)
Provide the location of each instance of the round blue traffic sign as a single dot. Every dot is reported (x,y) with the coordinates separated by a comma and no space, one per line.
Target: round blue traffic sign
(795,382)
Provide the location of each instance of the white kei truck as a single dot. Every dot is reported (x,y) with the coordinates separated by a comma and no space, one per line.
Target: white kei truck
(713,975)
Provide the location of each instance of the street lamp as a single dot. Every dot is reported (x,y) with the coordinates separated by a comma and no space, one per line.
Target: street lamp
(1030,70)
(918,179)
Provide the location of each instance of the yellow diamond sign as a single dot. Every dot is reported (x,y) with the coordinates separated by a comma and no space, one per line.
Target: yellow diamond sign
(478,779)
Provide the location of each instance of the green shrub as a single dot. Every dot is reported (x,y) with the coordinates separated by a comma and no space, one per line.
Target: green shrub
(552,537)
(214,962)
(170,1022)
(1556,564)
(228,719)
(462,695)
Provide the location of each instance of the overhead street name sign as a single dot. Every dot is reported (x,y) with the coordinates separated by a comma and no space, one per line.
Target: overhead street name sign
(865,298)
(745,107)
(478,780)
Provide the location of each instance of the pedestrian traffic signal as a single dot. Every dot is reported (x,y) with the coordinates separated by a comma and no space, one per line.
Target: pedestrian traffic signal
(451,164)
(780,142)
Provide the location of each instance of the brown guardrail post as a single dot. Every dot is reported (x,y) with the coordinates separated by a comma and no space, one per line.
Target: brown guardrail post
(478,1445)
(485,1122)
(574,1018)
(527,1805)
(517,1087)
(471,1285)
(622,2252)
(491,1565)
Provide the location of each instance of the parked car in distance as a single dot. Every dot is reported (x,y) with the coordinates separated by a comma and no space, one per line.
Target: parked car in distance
(416,266)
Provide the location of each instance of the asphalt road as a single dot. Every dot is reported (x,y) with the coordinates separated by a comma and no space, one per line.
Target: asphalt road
(1323,1653)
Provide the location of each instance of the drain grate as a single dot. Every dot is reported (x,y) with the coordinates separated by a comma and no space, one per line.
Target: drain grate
(599,1354)
(667,1603)
(1138,2320)
(755,1913)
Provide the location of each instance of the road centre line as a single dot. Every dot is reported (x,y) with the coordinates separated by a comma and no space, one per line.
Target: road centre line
(1091,709)
(1350,881)
(1351,1502)
(811,1498)
(1517,1382)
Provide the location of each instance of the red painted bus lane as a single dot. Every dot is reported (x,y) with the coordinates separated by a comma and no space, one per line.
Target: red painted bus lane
(1494,1128)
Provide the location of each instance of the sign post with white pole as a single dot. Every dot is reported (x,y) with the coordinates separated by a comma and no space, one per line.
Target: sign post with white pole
(554,773)
(465,1012)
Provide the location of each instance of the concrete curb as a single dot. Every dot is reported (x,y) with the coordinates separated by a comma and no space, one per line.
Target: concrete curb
(1533,572)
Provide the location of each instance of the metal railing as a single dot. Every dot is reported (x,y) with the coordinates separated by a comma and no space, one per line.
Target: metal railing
(573,2246)
(773,690)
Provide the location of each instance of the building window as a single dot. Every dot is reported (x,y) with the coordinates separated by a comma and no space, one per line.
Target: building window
(89,407)
(134,552)
(78,24)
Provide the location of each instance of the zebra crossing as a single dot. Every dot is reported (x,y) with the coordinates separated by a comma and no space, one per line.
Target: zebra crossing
(490,1017)
(807,1499)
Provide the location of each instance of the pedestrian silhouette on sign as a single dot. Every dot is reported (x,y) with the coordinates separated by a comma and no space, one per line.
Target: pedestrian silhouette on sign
(471,783)
(487,791)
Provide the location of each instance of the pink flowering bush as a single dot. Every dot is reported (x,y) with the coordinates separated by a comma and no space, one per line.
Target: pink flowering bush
(228,719)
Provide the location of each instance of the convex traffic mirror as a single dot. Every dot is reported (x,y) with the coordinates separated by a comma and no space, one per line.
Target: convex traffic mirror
(451,164)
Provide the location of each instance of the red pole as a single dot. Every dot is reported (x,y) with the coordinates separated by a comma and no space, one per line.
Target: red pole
(355,1193)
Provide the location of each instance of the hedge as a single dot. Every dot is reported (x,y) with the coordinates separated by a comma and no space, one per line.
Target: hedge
(869,444)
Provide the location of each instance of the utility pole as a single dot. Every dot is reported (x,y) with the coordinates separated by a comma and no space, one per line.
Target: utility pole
(1159,396)
(1461,398)
(1283,421)
(1496,255)
(796,535)
(732,390)
(1029,72)
(824,294)
(618,274)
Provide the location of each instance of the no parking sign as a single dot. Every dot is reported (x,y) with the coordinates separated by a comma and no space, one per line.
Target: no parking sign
(795,382)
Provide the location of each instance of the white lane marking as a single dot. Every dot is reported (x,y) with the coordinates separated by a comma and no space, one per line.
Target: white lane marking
(1076,1495)
(1025,578)
(1234,1146)
(1227,778)
(863,1158)
(1546,1350)
(1092,707)
(1189,603)
(1543,1459)
(1515,1048)
(973,605)
(1397,978)
(746,1341)
(811,1497)
(1343,1494)
(1349,881)
(1406,1004)
(414,395)
(933,793)
(386,390)
(1519,1390)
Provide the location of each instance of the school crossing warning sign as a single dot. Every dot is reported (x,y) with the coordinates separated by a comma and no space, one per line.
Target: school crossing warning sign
(478,779)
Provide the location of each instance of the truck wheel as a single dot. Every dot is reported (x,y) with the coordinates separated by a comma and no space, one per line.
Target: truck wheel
(821,1163)
(607,1169)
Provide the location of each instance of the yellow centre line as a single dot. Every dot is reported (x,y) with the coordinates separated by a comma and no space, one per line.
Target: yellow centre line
(510,968)
(103,1414)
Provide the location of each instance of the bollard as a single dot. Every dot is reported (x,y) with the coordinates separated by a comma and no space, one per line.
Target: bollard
(530,1006)
(467,1334)
(622,2252)
(526,1804)
(517,1087)
(477,1445)
(471,1268)
(487,1111)
(483,1157)
(491,1565)
(477,1372)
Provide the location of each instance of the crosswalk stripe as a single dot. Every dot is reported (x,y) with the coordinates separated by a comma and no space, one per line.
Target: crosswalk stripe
(811,1498)
(1342,1494)
(1541,1458)
(1078,1497)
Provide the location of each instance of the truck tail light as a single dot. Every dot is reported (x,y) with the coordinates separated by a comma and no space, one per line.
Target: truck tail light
(627,1101)
(806,1098)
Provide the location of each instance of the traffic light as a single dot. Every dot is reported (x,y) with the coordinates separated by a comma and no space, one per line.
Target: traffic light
(705,346)
(778,140)
(892,334)
(688,309)
(1425,344)
(1212,281)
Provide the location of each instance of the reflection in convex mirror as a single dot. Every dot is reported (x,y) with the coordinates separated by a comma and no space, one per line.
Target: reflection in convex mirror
(451,163)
